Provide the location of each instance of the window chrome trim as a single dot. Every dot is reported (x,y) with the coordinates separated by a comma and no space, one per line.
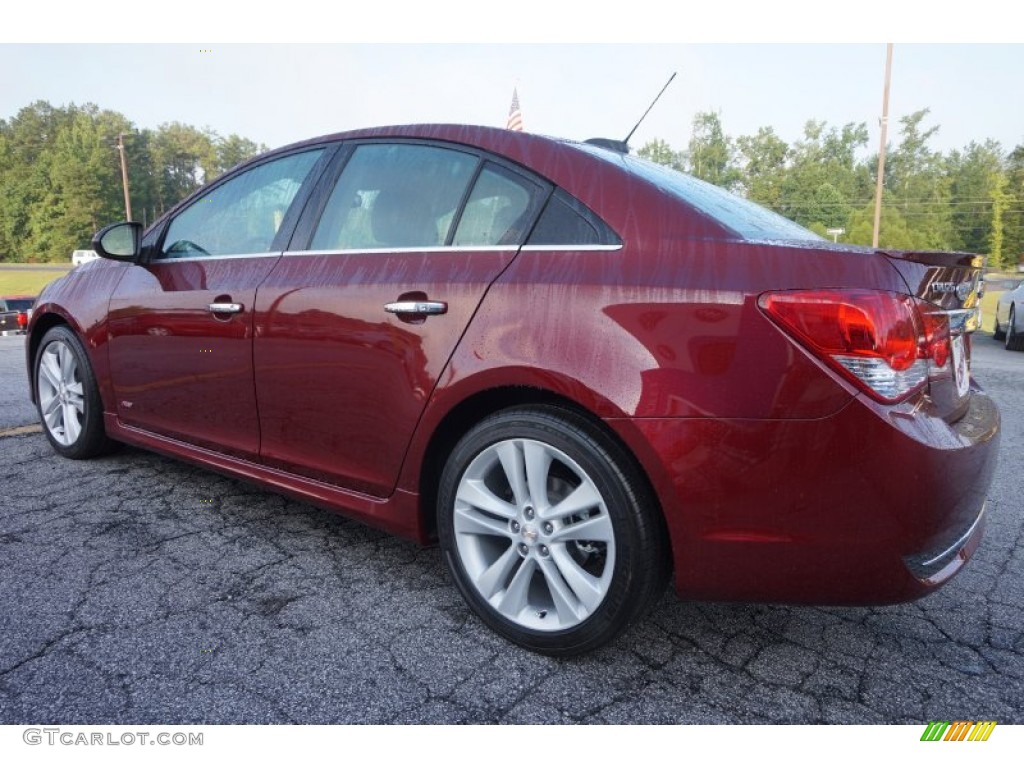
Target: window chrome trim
(456,249)
(590,247)
(429,249)
(163,259)
(370,251)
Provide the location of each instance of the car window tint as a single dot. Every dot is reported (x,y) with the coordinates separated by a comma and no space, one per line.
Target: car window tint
(243,214)
(566,221)
(498,209)
(394,196)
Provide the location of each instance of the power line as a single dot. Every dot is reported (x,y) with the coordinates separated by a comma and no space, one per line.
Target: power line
(889,204)
(919,213)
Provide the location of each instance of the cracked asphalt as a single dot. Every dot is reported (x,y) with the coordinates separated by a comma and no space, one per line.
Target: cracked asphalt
(137,589)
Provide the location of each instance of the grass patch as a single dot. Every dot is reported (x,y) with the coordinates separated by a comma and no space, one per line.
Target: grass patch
(27,282)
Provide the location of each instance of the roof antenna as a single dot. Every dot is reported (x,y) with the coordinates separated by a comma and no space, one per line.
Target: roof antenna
(623,146)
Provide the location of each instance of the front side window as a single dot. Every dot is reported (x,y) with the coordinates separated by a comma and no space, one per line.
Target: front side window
(394,196)
(243,214)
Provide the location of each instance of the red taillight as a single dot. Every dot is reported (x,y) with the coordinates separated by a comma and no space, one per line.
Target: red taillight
(884,342)
(936,336)
(22,320)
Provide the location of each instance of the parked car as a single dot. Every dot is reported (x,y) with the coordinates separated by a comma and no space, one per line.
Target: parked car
(1009,322)
(577,371)
(83,257)
(14,314)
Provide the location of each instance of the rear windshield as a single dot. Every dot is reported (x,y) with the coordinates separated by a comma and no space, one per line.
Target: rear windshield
(19,305)
(749,220)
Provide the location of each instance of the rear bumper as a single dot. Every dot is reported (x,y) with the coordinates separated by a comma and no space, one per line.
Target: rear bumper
(871,505)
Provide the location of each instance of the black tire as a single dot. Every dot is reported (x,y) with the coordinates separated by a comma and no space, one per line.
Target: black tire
(67,397)
(998,333)
(1014,337)
(613,568)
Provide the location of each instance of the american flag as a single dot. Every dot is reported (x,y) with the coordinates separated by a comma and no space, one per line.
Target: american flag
(515,115)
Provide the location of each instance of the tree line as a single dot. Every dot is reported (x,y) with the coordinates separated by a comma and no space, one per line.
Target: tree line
(60,179)
(60,174)
(971,199)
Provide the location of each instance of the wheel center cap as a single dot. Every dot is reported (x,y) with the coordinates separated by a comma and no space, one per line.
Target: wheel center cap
(530,533)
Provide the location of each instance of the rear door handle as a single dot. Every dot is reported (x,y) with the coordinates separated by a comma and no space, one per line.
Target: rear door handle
(225,308)
(416,307)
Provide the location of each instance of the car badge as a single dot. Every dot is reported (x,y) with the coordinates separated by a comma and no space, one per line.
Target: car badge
(962,290)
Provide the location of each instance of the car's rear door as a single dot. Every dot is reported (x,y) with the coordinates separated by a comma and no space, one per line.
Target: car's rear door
(356,323)
(181,324)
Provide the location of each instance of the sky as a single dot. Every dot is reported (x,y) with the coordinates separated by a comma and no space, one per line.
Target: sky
(277,93)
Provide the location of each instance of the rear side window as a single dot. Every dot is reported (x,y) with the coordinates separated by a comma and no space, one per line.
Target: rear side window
(499,209)
(566,221)
(395,196)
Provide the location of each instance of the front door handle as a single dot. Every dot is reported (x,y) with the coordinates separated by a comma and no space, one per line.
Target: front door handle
(416,307)
(225,308)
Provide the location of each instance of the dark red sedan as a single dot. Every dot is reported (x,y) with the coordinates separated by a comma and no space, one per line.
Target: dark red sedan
(579,371)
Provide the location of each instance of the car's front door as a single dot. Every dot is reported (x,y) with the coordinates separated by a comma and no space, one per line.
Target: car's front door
(181,324)
(354,326)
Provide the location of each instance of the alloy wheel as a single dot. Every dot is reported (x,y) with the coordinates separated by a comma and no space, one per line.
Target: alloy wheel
(61,393)
(534,534)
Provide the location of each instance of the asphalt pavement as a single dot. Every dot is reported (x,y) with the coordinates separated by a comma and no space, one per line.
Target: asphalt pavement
(15,408)
(138,589)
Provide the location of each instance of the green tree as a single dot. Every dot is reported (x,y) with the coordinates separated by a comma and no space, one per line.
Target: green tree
(183,159)
(143,180)
(893,232)
(972,174)
(710,152)
(1013,217)
(82,174)
(233,150)
(658,151)
(763,158)
(25,192)
(918,182)
(997,258)
(824,183)
(60,174)
(6,245)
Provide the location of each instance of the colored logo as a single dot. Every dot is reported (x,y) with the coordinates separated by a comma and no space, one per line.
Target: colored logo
(959,730)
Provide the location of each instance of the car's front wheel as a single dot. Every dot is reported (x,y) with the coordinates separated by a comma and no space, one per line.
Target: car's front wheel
(67,396)
(549,531)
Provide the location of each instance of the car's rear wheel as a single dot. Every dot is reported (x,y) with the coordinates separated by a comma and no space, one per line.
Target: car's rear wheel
(67,397)
(1014,336)
(997,332)
(549,531)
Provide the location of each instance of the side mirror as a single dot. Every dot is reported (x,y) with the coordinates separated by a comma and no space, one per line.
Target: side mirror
(118,241)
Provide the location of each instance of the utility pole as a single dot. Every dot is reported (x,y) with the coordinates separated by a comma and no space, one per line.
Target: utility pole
(124,177)
(881,149)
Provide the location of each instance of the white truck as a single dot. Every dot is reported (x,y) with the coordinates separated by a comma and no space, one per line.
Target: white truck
(81,257)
